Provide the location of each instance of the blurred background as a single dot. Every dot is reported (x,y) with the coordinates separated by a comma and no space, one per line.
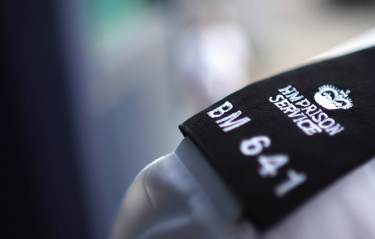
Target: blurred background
(99,87)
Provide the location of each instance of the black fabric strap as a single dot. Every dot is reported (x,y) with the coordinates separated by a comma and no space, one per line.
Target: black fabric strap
(279,141)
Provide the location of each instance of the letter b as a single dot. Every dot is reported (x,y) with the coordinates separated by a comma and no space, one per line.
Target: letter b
(219,111)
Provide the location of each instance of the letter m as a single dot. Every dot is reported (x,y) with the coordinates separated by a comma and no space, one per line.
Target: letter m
(228,122)
(294,97)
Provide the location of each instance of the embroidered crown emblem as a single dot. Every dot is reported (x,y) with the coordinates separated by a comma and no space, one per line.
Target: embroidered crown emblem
(332,98)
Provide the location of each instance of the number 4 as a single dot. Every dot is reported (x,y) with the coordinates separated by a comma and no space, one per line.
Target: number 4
(270,164)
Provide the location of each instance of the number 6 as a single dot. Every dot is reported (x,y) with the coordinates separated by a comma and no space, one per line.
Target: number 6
(254,145)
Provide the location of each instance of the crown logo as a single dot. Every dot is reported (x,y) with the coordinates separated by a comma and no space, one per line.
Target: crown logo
(332,98)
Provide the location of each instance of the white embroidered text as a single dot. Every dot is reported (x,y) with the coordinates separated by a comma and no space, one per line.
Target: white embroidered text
(307,116)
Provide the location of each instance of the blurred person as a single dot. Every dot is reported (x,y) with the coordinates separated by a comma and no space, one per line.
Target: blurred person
(213,57)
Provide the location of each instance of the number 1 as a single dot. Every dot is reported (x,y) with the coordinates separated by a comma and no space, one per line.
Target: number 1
(295,179)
